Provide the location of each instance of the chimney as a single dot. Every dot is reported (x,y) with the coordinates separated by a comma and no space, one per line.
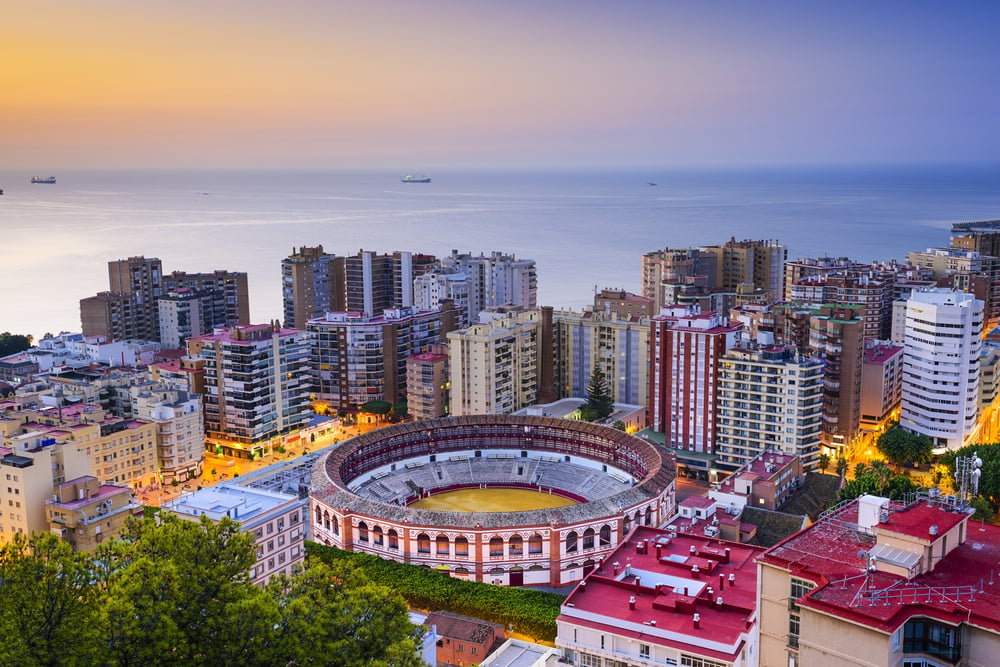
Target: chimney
(615,567)
(732,580)
(695,572)
(631,603)
(697,621)
(693,550)
(583,586)
(637,584)
(726,560)
(722,581)
(659,551)
(718,601)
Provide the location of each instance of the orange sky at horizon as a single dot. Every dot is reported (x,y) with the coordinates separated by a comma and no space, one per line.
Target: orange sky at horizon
(337,84)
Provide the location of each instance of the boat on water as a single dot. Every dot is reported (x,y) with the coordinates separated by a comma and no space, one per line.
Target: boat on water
(409,178)
(43,179)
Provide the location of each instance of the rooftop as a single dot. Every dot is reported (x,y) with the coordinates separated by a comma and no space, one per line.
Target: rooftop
(766,467)
(833,552)
(655,583)
(239,503)
(881,352)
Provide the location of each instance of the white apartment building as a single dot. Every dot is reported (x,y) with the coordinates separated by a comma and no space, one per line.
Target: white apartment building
(180,318)
(941,365)
(495,280)
(274,519)
(431,288)
(769,398)
(494,366)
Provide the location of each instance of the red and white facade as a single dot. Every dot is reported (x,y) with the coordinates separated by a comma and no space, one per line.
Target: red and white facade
(685,348)
(361,492)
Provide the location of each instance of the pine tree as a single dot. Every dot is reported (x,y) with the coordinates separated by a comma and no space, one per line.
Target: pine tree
(600,403)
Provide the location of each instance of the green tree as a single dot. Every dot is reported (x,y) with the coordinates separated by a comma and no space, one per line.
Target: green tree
(48,605)
(619,425)
(876,479)
(901,447)
(824,462)
(377,407)
(13,343)
(600,403)
(842,467)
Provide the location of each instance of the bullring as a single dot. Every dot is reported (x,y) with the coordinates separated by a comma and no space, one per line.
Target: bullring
(361,492)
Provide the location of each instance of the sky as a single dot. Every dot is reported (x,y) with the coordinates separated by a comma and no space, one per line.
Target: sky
(375,84)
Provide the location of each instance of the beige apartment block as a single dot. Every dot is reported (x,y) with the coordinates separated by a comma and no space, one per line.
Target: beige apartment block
(876,582)
(32,465)
(86,513)
(180,429)
(494,366)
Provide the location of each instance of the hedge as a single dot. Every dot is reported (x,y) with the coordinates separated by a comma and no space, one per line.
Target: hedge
(529,612)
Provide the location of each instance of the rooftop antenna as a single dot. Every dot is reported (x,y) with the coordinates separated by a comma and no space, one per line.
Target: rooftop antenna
(967,474)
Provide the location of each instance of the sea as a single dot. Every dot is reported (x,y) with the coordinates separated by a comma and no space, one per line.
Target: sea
(586,229)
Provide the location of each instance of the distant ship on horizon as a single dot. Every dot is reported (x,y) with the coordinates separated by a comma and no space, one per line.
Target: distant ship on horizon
(43,179)
(409,178)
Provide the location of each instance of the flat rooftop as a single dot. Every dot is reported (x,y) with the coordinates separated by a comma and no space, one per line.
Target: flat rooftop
(654,583)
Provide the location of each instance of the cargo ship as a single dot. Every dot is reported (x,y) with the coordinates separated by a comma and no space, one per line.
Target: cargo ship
(415,179)
(43,179)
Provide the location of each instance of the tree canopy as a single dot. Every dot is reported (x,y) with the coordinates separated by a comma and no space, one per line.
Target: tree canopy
(377,407)
(600,403)
(175,592)
(13,343)
(901,447)
(876,479)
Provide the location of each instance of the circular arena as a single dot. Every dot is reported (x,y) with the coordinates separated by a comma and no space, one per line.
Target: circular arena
(362,495)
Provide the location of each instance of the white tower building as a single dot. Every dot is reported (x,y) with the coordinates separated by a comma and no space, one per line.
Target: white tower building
(941,365)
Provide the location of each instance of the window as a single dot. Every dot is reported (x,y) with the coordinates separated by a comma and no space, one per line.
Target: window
(793,631)
(644,651)
(697,661)
(798,588)
(933,638)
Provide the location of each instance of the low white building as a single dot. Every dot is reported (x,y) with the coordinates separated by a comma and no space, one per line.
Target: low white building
(276,521)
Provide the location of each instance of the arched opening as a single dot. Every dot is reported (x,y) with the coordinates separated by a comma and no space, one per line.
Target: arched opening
(423,543)
(496,547)
(571,542)
(605,539)
(535,544)
(626,524)
(461,547)
(393,539)
(516,545)
(588,538)
(442,546)
(319,516)
(378,538)
(649,515)
(588,566)
(363,531)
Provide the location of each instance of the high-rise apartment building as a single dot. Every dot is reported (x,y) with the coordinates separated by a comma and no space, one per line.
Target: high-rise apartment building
(428,383)
(685,347)
(965,270)
(257,385)
(769,397)
(836,337)
(870,291)
(374,283)
(818,266)
(881,382)
(618,346)
(312,284)
(180,315)
(667,272)
(495,365)
(131,308)
(495,280)
(359,358)
(757,263)
(434,287)
(941,365)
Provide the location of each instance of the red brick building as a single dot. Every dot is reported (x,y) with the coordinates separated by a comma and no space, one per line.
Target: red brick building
(463,640)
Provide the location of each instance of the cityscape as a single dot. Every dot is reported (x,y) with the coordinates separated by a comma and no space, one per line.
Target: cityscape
(521,336)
